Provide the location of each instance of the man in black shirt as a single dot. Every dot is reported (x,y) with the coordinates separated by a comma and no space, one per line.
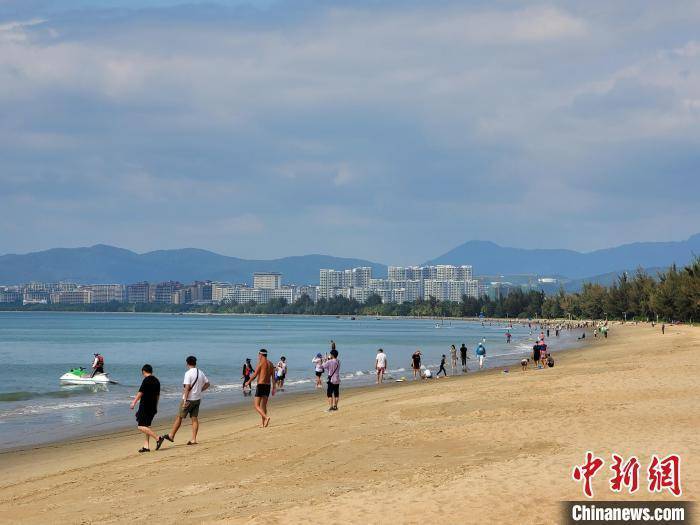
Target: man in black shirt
(464,356)
(147,397)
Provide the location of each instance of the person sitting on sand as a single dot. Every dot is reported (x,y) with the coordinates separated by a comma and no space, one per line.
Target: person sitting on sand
(147,398)
(318,368)
(415,364)
(194,383)
(426,374)
(264,374)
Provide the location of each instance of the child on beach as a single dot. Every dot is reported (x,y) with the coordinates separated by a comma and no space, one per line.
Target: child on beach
(247,370)
(281,373)
(318,368)
(442,367)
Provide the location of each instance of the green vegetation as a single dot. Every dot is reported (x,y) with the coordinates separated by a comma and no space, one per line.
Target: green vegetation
(673,295)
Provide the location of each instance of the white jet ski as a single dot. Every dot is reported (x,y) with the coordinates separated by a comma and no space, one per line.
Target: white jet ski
(80,376)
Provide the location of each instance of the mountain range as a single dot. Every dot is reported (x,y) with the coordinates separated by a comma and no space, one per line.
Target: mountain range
(489,258)
(108,264)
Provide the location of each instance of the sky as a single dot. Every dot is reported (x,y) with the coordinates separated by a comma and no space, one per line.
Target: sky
(391,131)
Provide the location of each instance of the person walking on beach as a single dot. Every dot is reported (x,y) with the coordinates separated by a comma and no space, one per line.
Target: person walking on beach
(663,329)
(415,364)
(442,367)
(247,370)
(194,383)
(463,352)
(453,358)
(380,363)
(281,373)
(318,368)
(481,354)
(265,387)
(147,398)
(332,368)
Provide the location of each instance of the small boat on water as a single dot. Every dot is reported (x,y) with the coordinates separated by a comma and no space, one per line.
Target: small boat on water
(80,376)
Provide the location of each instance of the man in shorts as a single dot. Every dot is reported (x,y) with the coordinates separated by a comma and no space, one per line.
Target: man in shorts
(415,364)
(264,373)
(332,368)
(147,398)
(380,364)
(194,383)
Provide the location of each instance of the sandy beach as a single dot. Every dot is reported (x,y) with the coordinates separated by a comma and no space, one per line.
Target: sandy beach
(482,448)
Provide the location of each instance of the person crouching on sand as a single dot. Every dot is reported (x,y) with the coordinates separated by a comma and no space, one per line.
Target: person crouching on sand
(264,373)
(332,368)
(147,398)
(194,383)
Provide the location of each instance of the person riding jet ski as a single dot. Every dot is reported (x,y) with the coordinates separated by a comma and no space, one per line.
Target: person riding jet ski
(98,365)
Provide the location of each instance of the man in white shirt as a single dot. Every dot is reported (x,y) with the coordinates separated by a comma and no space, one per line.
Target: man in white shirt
(380,365)
(194,383)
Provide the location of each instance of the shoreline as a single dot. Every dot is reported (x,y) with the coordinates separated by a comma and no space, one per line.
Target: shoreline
(221,407)
(420,447)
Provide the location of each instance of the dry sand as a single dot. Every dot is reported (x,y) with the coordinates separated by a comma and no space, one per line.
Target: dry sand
(485,448)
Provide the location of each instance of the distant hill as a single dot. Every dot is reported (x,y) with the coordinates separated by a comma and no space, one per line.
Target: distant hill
(490,258)
(107,264)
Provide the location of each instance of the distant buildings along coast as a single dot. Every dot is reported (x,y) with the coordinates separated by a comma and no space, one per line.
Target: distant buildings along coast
(403,284)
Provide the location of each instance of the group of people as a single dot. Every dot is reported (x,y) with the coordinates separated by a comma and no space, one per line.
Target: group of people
(269,378)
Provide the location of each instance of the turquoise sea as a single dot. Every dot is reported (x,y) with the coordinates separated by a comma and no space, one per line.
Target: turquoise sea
(37,348)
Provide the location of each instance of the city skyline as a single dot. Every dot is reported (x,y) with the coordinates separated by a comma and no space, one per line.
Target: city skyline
(263,128)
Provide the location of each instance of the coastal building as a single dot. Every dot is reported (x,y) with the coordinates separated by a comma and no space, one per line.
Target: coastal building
(78,296)
(267,280)
(107,293)
(138,293)
(10,296)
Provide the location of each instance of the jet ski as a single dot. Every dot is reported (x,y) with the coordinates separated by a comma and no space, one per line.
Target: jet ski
(80,376)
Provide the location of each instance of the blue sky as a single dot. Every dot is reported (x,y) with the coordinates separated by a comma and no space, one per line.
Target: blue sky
(386,130)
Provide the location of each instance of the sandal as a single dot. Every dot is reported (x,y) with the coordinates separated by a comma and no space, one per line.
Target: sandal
(144,449)
(159,442)
(192,443)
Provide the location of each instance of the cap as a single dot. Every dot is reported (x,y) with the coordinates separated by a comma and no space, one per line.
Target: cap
(319,355)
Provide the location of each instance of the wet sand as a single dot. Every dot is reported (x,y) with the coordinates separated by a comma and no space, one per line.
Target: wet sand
(481,448)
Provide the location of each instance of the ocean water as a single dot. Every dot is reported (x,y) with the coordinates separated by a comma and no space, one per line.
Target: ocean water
(37,348)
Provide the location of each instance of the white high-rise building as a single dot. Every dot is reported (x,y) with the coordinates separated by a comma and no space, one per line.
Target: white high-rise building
(267,280)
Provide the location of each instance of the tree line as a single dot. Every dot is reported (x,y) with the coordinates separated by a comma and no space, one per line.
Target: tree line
(672,295)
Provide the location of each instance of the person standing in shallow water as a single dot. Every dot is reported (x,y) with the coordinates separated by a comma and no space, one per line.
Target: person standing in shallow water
(415,364)
(442,367)
(453,358)
(463,353)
